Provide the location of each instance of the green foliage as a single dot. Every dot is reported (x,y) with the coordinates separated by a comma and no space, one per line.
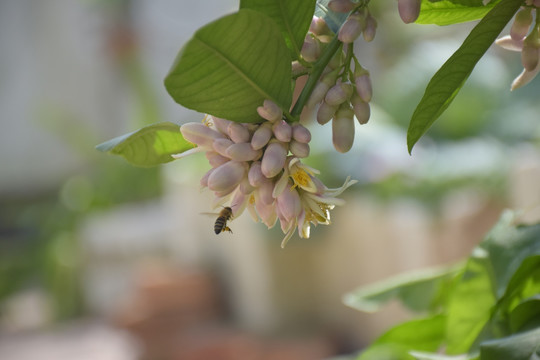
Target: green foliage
(292,16)
(446,83)
(490,310)
(448,12)
(231,66)
(149,146)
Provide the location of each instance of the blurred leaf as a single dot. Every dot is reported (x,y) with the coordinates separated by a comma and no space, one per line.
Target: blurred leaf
(418,355)
(422,334)
(447,12)
(230,66)
(292,16)
(446,83)
(521,346)
(149,146)
(417,290)
(525,313)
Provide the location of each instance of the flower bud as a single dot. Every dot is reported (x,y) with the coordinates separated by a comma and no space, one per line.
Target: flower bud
(255,175)
(300,133)
(221,124)
(338,93)
(311,50)
(370,29)
(529,53)
(227,176)
(204,179)
(199,134)
(336,60)
(352,28)
(297,69)
(267,213)
(238,132)
(342,6)
(215,159)
(282,131)
(270,111)
(363,87)
(289,204)
(318,26)
(361,110)
(265,192)
(221,146)
(261,136)
(243,152)
(522,23)
(273,159)
(245,187)
(326,112)
(525,77)
(507,43)
(299,149)
(343,129)
(318,94)
(409,10)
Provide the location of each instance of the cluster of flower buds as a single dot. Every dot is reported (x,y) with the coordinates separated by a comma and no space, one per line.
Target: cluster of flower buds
(258,167)
(358,22)
(409,10)
(525,41)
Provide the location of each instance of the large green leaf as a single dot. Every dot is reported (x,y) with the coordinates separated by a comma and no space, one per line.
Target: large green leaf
(447,12)
(521,346)
(525,313)
(421,334)
(447,82)
(292,16)
(419,290)
(149,146)
(231,66)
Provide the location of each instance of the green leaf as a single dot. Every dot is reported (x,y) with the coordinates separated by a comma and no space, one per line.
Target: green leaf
(292,16)
(447,12)
(149,146)
(231,66)
(525,313)
(520,346)
(422,335)
(419,355)
(447,82)
(419,290)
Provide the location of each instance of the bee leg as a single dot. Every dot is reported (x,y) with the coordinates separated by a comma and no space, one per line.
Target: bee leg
(227,229)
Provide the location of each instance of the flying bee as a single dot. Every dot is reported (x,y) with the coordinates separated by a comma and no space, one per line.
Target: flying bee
(221,222)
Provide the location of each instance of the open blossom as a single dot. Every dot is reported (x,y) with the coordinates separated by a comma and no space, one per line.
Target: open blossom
(258,167)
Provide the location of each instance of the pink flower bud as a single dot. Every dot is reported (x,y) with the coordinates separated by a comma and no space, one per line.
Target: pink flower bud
(238,133)
(227,176)
(311,50)
(199,134)
(221,124)
(282,131)
(370,29)
(342,6)
(300,133)
(261,136)
(326,112)
(343,129)
(529,56)
(525,77)
(265,192)
(361,110)
(299,149)
(273,159)
(338,93)
(204,179)
(267,213)
(363,87)
(255,175)
(352,28)
(522,23)
(409,10)
(243,152)
(270,111)
(318,94)
(318,26)
(336,60)
(221,146)
(297,70)
(245,187)
(216,159)
(507,43)
(289,203)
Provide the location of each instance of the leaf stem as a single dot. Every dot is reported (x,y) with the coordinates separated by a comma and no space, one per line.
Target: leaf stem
(318,68)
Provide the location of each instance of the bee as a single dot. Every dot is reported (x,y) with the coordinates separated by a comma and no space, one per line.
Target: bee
(221,222)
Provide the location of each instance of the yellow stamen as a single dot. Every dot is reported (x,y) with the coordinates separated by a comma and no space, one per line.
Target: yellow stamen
(207,121)
(301,178)
(251,199)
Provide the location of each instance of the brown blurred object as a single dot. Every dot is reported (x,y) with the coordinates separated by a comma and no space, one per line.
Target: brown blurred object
(180,315)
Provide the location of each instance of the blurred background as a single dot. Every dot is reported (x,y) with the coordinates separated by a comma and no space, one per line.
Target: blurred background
(102,260)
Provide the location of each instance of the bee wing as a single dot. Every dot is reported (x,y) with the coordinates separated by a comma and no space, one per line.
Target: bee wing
(209,214)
